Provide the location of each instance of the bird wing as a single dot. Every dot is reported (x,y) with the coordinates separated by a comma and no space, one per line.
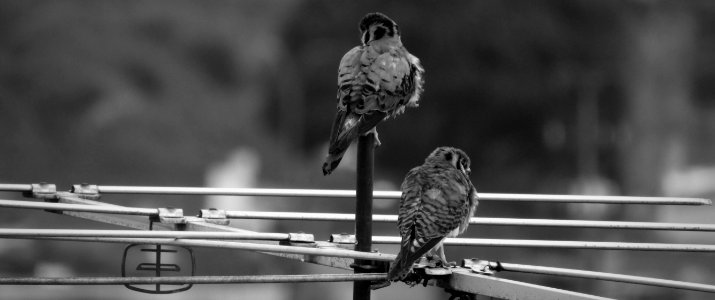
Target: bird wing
(393,76)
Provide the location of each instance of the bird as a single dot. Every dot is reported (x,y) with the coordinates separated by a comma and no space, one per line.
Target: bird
(376,80)
(438,199)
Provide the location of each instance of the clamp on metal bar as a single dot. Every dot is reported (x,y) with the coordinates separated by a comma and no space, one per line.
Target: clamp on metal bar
(343,240)
(42,190)
(169,215)
(301,237)
(479,266)
(214,216)
(86,191)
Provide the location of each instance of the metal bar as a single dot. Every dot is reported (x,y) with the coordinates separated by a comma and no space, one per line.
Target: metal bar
(9,187)
(396,195)
(110,189)
(44,233)
(363,209)
(198,224)
(79,207)
(478,221)
(608,276)
(562,244)
(238,246)
(465,281)
(190,279)
(134,222)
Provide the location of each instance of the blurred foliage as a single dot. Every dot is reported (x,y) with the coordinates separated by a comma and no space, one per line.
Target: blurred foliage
(546,96)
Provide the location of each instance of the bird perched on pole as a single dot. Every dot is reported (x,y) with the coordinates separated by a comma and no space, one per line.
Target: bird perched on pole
(376,80)
(438,199)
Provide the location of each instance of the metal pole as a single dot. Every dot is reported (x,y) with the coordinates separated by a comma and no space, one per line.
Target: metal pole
(189,279)
(45,233)
(607,276)
(274,215)
(363,210)
(79,207)
(561,244)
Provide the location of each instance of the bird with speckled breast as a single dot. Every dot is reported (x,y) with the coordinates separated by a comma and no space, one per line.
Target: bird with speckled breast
(438,199)
(376,80)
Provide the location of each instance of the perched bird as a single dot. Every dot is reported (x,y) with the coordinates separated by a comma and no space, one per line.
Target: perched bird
(376,80)
(438,199)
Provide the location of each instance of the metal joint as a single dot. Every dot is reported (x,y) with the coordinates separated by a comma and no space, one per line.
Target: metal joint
(170,215)
(214,216)
(342,238)
(86,191)
(42,190)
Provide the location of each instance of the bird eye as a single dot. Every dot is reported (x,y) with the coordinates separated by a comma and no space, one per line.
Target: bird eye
(378,33)
(448,156)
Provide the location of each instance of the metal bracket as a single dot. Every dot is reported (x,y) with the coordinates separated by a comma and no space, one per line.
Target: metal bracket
(42,190)
(214,216)
(158,267)
(170,215)
(481,266)
(86,191)
(343,240)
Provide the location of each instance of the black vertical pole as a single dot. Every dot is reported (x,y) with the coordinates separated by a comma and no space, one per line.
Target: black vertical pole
(363,210)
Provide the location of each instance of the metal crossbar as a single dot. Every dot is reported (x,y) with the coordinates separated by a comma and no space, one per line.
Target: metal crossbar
(395,195)
(108,189)
(47,233)
(190,279)
(79,207)
(303,216)
(270,248)
(607,276)
(561,244)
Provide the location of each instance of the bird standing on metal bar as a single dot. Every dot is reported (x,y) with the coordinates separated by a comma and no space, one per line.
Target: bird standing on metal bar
(376,80)
(438,199)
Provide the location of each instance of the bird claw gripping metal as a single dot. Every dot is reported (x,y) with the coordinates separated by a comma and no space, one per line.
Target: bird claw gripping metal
(158,267)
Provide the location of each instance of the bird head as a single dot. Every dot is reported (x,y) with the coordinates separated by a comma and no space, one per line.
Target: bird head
(452,156)
(376,26)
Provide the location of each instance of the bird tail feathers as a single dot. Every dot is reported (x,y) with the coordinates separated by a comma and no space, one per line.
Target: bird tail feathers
(407,256)
(346,128)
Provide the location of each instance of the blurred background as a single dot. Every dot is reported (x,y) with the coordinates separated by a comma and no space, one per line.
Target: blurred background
(559,97)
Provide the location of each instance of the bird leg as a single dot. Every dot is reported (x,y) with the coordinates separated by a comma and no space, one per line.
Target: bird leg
(374,132)
(438,254)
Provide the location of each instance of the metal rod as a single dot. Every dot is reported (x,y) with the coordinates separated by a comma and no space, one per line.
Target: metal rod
(608,276)
(79,207)
(479,221)
(9,187)
(45,233)
(363,210)
(396,195)
(562,244)
(190,279)
(111,189)
(238,246)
